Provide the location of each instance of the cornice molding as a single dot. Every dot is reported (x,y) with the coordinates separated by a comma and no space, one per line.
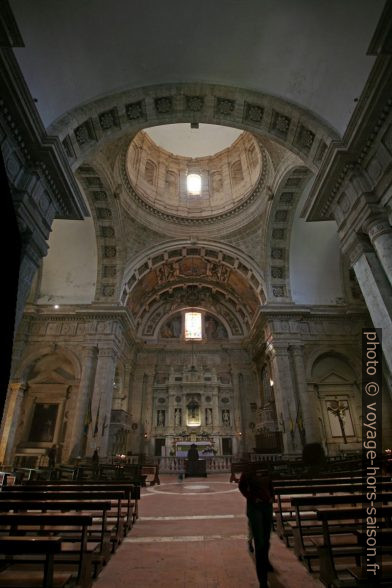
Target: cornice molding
(342,156)
(9,31)
(70,313)
(381,42)
(42,151)
(190,220)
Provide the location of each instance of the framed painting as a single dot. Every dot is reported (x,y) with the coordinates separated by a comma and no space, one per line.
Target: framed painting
(43,424)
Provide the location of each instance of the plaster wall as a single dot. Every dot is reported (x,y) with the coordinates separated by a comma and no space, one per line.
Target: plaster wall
(70,269)
(315,276)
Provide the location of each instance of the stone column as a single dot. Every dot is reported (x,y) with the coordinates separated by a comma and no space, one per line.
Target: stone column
(170,424)
(34,226)
(10,421)
(376,290)
(215,409)
(308,405)
(136,395)
(237,416)
(380,233)
(102,401)
(32,254)
(82,421)
(147,408)
(285,400)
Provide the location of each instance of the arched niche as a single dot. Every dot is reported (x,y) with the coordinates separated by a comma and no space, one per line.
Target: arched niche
(339,402)
(49,405)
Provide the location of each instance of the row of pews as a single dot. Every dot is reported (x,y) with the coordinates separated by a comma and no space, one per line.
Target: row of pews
(325,519)
(60,533)
(143,474)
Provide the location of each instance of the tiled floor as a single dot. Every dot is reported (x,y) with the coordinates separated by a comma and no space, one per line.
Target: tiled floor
(192,534)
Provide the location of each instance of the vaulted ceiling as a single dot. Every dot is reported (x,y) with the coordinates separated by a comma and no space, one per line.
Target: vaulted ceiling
(312,53)
(288,72)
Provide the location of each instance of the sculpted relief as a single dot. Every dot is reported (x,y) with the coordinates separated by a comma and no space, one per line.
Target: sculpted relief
(192,267)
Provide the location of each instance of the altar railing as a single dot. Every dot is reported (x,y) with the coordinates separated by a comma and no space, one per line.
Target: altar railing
(174,465)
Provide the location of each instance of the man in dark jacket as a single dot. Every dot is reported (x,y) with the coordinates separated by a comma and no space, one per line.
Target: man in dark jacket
(258,491)
(193,454)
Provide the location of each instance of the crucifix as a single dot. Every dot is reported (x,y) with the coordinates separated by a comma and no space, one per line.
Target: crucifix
(339,410)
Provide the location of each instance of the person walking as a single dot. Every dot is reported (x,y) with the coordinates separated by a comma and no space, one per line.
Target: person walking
(258,491)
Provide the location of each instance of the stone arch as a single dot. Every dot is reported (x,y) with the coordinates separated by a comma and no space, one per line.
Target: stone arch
(51,376)
(89,127)
(101,196)
(280,218)
(156,256)
(39,351)
(320,351)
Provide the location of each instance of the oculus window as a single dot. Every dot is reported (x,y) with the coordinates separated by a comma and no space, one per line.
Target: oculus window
(193,329)
(193,184)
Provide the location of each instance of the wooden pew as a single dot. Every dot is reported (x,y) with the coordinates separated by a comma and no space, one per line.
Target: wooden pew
(28,576)
(91,484)
(132,494)
(70,527)
(330,574)
(384,539)
(116,530)
(306,531)
(296,469)
(151,473)
(285,513)
(283,482)
(96,508)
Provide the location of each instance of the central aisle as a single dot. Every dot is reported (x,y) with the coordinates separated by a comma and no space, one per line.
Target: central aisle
(193,534)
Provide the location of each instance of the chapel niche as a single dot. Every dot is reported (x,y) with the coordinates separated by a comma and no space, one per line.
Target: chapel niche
(47,410)
(339,402)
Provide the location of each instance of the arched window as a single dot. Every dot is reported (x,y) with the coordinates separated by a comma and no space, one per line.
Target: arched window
(172,182)
(149,172)
(193,184)
(252,157)
(193,326)
(236,172)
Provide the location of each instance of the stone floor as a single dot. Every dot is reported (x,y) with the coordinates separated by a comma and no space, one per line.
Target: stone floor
(192,534)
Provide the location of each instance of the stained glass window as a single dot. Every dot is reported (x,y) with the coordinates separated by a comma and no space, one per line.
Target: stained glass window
(193,325)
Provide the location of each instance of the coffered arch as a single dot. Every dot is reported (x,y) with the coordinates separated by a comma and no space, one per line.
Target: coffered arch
(279,223)
(182,272)
(90,127)
(104,210)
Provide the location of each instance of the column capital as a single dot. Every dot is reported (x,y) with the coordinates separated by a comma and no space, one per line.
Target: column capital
(18,387)
(107,352)
(90,351)
(376,225)
(297,349)
(359,245)
(278,349)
